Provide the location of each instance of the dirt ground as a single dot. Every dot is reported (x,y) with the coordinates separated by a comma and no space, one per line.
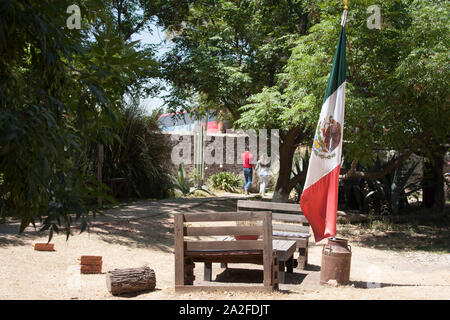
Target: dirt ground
(384,264)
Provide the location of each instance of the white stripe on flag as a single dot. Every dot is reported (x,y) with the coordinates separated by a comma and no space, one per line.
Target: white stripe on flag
(319,167)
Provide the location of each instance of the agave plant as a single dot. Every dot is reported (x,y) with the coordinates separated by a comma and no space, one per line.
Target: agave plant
(196,179)
(392,188)
(181,182)
(299,164)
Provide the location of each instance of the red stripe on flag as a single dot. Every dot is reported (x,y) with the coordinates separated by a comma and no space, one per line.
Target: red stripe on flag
(319,205)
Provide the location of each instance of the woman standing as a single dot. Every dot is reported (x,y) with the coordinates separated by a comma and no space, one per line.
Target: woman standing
(263,169)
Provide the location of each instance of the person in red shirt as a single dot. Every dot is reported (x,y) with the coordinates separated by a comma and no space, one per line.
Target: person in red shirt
(247,159)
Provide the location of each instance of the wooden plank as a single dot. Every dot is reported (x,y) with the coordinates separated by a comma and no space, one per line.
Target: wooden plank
(235,256)
(223,231)
(280,245)
(246,258)
(289,217)
(256,288)
(300,243)
(225,245)
(285,248)
(224,216)
(179,249)
(290,228)
(251,204)
(267,252)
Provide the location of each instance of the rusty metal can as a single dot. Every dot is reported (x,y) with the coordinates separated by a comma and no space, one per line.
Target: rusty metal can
(336,259)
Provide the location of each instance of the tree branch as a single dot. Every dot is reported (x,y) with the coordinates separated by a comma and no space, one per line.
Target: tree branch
(393,164)
(351,171)
(297,179)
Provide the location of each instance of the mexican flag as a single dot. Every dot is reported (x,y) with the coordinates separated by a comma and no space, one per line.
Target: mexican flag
(320,193)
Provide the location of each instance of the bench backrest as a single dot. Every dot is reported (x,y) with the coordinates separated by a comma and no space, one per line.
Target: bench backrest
(289,214)
(182,231)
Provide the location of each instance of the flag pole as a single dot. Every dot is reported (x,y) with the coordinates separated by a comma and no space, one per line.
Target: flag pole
(344,17)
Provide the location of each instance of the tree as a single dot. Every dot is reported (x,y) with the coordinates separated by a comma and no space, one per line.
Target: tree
(60,90)
(396,85)
(225,51)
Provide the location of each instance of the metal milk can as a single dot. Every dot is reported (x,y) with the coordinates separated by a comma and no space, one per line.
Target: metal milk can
(336,258)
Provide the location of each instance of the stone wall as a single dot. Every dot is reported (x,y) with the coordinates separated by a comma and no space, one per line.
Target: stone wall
(232,146)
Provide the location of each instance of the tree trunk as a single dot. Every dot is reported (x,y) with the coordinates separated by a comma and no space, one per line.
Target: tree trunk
(120,281)
(283,186)
(433,194)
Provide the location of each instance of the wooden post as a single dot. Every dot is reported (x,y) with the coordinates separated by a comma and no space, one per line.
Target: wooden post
(267,251)
(100,150)
(207,273)
(179,249)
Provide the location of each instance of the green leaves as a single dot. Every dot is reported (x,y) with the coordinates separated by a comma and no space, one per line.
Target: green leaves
(181,182)
(226,181)
(228,51)
(60,91)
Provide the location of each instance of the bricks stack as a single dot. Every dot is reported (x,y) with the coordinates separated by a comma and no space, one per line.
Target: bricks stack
(91,264)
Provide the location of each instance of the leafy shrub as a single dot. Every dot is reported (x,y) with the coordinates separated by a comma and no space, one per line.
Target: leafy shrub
(139,155)
(226,181)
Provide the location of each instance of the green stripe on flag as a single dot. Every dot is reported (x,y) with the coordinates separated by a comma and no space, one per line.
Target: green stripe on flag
(337,75)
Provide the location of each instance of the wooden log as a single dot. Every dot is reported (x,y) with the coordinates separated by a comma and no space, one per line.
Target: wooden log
(44,246)
(130,280)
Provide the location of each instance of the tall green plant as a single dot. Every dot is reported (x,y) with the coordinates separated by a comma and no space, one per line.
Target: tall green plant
(181,182)
(139,154)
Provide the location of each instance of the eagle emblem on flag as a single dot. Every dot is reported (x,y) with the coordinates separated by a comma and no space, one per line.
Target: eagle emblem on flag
(327,138)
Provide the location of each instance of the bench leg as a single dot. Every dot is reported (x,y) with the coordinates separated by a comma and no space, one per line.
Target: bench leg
(224,265)
(207,274)
(290,265)
(302,258)
(189,277)
(281,272)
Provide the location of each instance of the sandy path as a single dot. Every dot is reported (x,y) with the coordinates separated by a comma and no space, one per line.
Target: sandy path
(133,242)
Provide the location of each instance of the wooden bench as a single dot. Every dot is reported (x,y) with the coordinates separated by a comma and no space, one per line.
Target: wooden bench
(187,252)
(288,222)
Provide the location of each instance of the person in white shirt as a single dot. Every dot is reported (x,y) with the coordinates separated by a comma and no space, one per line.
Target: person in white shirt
(263,169)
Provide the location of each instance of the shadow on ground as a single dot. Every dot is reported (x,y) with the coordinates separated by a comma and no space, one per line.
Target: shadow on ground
(413,236)
(241,275)
(140,224)
(155,230)
(375,285)
(9,235)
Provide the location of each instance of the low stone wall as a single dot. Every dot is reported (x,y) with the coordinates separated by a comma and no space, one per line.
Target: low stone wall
(232,146)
